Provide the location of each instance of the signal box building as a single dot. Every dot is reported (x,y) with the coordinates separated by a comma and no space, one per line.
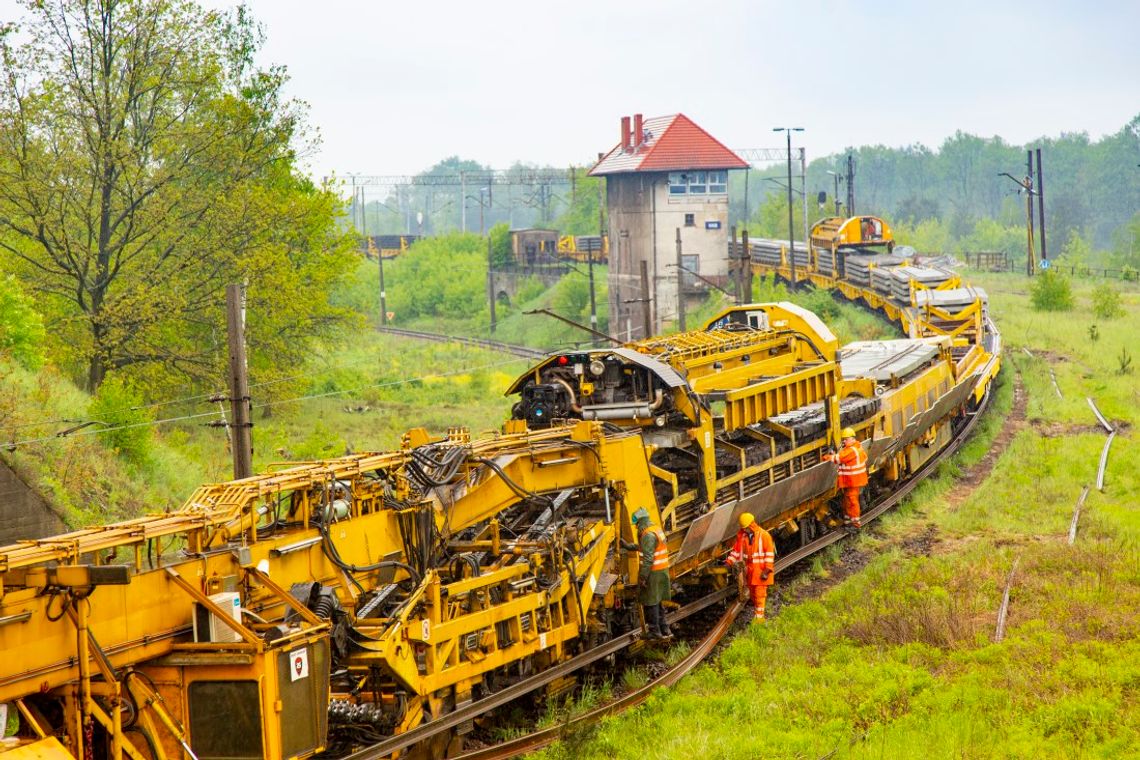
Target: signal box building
(666,174)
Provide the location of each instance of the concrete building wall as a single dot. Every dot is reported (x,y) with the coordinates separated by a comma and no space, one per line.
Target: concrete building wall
(644,218)
(23,513)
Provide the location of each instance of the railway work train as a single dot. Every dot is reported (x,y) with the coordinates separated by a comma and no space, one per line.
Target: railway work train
(348,606)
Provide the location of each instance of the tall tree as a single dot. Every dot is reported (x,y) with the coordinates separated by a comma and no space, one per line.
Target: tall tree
(144,163)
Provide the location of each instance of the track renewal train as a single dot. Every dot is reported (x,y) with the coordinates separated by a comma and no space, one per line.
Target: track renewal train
(323,608)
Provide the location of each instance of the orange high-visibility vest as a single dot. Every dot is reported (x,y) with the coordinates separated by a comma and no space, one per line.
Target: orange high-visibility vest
(758,552)
(852,461)
(660,552)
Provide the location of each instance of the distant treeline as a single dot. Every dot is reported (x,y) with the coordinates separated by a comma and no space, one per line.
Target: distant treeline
(1092,187)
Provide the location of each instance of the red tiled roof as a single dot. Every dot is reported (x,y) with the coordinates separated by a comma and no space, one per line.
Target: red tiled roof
(674,143)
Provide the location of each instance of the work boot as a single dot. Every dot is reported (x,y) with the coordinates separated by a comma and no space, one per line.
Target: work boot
(663,626)
(652,613)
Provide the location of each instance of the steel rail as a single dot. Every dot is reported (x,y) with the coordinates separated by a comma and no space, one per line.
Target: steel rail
(525,352)
(1104,461)
(539,739)
(501,697)
(1107,444)
(1099,416)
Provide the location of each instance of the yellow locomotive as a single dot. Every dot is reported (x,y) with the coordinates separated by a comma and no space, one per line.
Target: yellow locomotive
(336,605)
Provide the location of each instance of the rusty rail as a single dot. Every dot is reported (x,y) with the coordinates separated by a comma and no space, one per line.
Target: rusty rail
(547,736)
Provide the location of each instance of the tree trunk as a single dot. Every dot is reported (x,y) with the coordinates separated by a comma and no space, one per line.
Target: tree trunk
(96,371)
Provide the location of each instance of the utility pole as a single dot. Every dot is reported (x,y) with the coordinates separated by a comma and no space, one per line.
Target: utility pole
(803,193)
(239,383)
(791,215)
(647,326)
(1041,205)
(734,264)
(747,215)
(383,294)
(1026,185)
(491,283)
(1029,211)
(463,201)
(590,253)
(680,286)
(746,266)
(593,301)
(850,185)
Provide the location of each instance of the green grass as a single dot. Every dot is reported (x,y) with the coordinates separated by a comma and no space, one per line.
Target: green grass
(898,660)
(368,393)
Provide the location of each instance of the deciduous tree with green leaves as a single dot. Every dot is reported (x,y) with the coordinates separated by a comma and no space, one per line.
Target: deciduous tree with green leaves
(146,162)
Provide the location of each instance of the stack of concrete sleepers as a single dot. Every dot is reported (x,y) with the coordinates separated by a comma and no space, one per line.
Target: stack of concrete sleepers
(825,261)
(928,276)
(861,268)
(953,302)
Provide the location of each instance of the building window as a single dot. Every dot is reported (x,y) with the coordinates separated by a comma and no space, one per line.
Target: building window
(678,183)
(690,220)
(698,183)
(718,183)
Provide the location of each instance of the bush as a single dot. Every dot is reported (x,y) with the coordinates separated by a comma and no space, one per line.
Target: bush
(500,235)
(1106,302)
(530,289)
(21,327)
(1051,292)
(443,276)
(118,406)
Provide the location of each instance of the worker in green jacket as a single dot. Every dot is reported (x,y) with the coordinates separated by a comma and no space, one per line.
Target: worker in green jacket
(653,575)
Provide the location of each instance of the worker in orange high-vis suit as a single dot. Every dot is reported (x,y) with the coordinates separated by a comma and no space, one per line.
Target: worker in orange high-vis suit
(852,463)
(756,552)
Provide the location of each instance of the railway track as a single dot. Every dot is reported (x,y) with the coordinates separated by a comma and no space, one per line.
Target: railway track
(524,352)
(539,739)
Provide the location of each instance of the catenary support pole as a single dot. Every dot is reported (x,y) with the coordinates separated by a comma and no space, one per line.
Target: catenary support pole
(746,267)
(803,193)
(1041,206)
(791,216)
(734,264)
(491,282)
(647,327)
(680,286)
(239,383)
(1029,213)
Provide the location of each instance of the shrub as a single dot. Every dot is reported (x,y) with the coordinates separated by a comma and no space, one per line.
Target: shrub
(530,289)
(21,328)
(1106,302)
(1051,292)
(118,407)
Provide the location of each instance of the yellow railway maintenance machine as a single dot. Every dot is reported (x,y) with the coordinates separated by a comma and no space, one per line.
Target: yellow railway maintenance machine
(326,606)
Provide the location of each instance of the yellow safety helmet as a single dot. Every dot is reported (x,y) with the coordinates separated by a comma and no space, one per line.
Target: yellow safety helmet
(746,519)
(847,433)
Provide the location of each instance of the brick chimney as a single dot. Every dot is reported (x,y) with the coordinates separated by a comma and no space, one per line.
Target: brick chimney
(638,132)
(625,134)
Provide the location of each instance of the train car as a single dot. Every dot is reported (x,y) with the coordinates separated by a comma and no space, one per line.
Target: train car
(376,602)
(582,248)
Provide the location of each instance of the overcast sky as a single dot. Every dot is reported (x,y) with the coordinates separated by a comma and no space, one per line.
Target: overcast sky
(394,86)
